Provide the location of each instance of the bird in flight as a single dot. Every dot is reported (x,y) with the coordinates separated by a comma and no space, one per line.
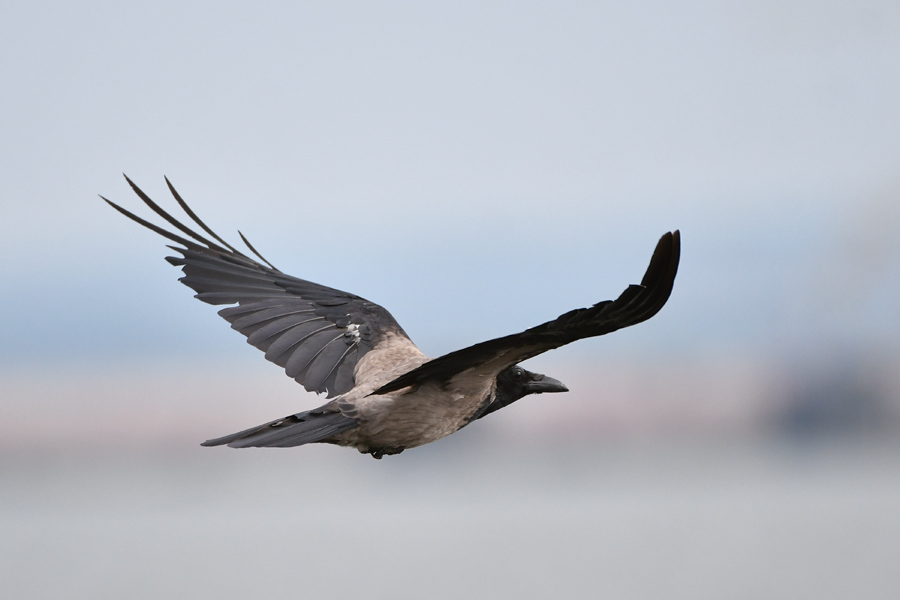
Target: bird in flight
(385,395)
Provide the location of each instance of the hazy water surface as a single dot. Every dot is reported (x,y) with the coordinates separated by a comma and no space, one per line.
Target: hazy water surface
(742,520)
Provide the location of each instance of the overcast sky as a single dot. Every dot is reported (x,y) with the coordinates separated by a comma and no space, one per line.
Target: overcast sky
(476,167)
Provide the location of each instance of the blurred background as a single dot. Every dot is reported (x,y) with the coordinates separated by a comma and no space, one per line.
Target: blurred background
(477,168)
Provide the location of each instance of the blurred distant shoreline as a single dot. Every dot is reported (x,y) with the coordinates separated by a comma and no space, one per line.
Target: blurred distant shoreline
(144,404)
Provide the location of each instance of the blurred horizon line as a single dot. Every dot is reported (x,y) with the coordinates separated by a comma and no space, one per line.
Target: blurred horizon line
(147,402)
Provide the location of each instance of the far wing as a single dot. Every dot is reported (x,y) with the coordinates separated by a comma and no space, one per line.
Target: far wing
(636,304)
(317,333)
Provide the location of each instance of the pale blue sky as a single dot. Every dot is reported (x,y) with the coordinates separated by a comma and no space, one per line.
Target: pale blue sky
(476,167)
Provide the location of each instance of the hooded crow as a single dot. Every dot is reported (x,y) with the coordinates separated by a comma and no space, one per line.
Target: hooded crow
(384,394)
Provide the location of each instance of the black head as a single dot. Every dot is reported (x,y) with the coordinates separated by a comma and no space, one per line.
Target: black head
(515,382)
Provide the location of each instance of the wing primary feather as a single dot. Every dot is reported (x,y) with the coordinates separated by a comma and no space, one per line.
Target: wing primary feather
(253,250)
(264,315)
(230,297)
(172,220)
(155,228)
(187,209)
(278,326)
(224,263)
(234,312)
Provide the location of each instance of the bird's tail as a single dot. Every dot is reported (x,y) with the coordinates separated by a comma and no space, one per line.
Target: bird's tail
(303,428)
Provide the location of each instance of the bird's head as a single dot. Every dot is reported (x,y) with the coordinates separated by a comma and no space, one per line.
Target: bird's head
(515,382)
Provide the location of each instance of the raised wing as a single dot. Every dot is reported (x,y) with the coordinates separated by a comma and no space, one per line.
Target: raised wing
(317,333)
(636,304)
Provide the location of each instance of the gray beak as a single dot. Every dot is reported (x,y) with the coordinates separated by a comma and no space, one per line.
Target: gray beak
(541,384)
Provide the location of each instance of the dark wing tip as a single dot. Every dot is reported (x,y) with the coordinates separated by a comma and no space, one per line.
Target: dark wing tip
(665,257)
(639,303)
(254,251)
(635,305)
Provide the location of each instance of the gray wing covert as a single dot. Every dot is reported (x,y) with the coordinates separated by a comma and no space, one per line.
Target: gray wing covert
(316,333)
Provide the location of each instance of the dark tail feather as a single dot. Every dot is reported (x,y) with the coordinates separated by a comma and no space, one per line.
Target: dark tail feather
(295,430)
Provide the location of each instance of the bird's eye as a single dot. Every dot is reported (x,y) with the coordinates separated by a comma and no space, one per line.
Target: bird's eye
(519,373)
